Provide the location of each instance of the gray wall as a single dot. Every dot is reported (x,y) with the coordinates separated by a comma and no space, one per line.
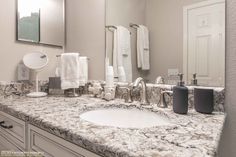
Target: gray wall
(85,33)
(12,52)
(228,141)
(52,28)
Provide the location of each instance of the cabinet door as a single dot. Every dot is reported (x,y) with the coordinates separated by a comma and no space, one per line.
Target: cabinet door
(15,134)
(5,145)
(53,146)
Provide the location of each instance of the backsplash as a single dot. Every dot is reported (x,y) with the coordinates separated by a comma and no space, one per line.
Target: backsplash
(153,92)
(19,88)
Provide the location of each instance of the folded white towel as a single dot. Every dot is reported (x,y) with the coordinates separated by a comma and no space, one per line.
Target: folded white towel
(83,70)
(143,58)
(70,70)
(139,47)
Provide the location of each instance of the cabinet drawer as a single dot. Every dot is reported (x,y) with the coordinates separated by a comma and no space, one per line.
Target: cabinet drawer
(5,145)
(16,134)
(53,146)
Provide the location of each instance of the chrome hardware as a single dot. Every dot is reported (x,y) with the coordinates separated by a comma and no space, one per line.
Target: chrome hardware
(96,89)
(160,80)
(109,93)
(133,25)
(163,103)
(127,95)
(58,56)
(71,93)
(136,83)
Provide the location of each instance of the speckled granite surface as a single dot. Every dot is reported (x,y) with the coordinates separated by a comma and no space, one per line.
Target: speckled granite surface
(192,135)
(153,92)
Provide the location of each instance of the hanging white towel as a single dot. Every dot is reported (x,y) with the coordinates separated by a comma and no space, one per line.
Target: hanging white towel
(122,75)
(69,70)
(110,76)
(83,70)
(122,52)
(139,46)
(143,58)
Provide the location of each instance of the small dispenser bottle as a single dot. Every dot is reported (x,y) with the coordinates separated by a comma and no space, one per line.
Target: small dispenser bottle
(194,80)
(180,97)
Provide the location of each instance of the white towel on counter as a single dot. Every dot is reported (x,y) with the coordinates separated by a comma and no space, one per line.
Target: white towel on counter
(83,70)
(70,70)
(143,58)
(122,52)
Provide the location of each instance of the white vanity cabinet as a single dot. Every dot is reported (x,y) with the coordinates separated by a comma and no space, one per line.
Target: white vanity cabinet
(12,133)
(17,135)
(6,145)
(53,146)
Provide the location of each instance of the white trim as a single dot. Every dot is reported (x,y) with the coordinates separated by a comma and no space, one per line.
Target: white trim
(185,30)
(53,141)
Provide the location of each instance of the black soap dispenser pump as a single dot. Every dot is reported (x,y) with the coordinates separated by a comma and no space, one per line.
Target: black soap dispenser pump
(180,97)
(194,80)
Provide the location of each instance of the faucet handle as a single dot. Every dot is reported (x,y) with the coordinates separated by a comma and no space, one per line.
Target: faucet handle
(127,95)
(163,102)
(160,80)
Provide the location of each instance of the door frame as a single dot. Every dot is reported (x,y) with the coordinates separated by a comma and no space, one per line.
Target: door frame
(186,9)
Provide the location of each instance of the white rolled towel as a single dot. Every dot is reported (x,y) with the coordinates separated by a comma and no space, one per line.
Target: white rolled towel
(121,74)
(83,70)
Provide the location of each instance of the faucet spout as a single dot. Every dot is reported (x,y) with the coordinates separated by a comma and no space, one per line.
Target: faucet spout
(163,103)
(141,81)
(138,81)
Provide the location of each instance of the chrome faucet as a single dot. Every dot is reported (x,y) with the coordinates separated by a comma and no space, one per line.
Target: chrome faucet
(163,103)
(136,83)
(160,80)
(127,95)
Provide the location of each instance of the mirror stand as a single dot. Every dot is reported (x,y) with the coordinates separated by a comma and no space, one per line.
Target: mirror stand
(36,61)
(36,94)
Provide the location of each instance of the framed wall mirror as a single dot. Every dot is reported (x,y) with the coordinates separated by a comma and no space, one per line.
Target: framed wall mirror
(41,21)
(185,36)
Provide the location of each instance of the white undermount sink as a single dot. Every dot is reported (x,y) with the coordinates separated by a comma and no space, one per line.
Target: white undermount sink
(125,118)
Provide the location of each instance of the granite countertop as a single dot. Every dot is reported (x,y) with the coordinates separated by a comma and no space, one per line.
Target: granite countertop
(192,135)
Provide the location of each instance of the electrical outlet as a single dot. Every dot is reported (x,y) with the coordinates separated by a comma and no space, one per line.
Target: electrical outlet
(23,72)
(173,72)
(173,76)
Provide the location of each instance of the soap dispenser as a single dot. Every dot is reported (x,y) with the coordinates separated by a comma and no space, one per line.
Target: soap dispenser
(194,80)
(180,97)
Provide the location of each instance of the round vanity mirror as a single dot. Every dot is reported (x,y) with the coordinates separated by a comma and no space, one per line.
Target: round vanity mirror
(36,61)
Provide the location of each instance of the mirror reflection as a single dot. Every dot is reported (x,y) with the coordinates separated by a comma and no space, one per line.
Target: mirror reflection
(41,21)
(28,21)
(151,38)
